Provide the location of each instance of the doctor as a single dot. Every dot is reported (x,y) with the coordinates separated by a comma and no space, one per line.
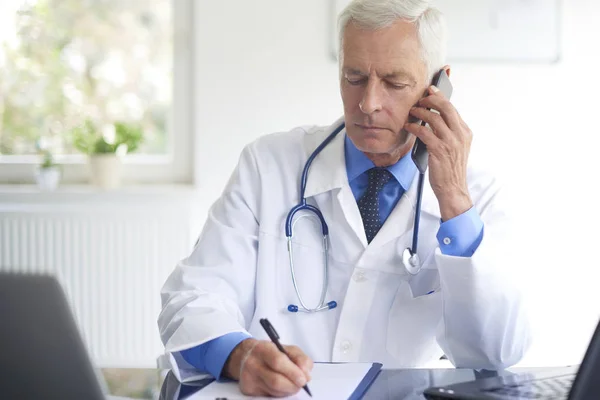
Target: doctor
(464,301)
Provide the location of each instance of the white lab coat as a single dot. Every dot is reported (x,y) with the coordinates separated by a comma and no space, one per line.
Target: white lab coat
(239,271)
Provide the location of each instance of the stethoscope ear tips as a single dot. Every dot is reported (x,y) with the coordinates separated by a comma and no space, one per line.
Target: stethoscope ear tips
(332,305)
(292,308)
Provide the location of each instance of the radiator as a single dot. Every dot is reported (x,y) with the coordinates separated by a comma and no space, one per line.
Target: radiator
(111,260)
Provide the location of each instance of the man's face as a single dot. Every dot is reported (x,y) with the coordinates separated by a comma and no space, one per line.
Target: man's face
(383,76)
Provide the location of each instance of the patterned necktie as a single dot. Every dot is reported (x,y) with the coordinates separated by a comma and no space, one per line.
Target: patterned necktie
(369,202)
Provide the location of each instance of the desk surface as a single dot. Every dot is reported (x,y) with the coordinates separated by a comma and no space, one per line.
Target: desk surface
(407,384)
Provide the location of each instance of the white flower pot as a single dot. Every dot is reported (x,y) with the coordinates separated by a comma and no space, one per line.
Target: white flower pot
(47,178)
(105,171)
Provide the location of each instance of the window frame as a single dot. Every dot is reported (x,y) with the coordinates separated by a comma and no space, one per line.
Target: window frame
(176,166)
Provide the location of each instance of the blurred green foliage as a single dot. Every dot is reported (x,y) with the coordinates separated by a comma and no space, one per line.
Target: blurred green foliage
(88,139)
(73,61)
(47,160)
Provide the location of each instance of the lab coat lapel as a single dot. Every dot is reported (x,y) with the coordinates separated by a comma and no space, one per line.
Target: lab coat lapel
(328,169)
(328,173)
(351,212)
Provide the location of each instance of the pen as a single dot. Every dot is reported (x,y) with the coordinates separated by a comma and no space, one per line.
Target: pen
(275,339)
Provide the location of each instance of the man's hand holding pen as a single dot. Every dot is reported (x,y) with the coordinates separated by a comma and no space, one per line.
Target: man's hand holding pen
(263,370)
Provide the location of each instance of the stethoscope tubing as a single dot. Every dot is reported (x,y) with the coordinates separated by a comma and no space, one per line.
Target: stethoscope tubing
(302,205)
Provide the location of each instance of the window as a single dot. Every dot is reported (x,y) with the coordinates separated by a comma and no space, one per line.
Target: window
(66,63)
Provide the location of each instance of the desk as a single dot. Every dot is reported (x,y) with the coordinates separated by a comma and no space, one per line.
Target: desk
(405,384)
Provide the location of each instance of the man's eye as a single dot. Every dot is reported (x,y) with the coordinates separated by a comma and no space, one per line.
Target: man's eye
(354,82)
(398,86)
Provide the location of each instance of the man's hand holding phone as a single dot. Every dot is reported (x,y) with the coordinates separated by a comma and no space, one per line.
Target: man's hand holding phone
(448,140)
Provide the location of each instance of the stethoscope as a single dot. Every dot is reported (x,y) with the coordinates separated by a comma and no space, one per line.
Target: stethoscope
(410,258)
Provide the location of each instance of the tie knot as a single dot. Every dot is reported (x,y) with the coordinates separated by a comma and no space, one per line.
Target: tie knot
(378,177)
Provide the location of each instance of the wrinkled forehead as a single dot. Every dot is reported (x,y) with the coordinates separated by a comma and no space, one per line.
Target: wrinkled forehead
(392,50)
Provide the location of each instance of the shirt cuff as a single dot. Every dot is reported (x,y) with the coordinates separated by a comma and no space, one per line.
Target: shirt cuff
(461,235)
(211,356)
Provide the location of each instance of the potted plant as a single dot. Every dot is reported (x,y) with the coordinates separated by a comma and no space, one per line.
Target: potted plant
(47,175)
(105,149)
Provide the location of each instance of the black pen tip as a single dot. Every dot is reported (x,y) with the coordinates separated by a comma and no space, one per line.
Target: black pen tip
(307,391)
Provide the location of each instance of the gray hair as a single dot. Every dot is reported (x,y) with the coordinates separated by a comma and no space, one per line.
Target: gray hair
(379,14)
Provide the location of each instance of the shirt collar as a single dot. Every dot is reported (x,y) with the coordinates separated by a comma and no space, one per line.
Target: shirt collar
(357,163)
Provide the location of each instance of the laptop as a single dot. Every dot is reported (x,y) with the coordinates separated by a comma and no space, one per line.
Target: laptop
(42,355)
(562,383)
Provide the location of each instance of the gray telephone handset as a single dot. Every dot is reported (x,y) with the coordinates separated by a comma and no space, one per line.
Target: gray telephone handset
(419,152)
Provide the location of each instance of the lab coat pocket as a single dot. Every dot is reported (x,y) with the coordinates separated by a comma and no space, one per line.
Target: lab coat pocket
(425,283)
(414,315)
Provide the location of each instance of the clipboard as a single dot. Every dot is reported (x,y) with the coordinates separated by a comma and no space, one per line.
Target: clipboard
(366,382)
(323,385)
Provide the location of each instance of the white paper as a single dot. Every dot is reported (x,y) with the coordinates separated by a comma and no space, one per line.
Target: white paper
(328,381)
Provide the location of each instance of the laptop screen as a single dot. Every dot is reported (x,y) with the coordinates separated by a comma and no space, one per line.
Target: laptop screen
(587,384)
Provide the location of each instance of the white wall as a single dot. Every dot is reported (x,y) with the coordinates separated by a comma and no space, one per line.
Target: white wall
(265,66)
(544,117)
(261,67)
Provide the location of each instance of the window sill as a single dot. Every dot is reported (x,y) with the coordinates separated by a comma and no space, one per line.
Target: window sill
(69,197)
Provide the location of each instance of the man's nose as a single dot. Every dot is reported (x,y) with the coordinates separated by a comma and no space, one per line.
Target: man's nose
(371,101)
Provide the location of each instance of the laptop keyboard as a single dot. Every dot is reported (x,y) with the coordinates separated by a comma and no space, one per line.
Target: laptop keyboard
(550,388)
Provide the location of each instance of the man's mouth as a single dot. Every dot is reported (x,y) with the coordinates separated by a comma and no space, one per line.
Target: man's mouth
(370,127)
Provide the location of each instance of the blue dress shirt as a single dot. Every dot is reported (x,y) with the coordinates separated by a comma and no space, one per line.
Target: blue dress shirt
(210,357)
(459,237)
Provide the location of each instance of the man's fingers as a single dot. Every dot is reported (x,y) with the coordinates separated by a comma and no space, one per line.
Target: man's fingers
(300,359)
(267,371)
(424,133)
(275,384)
(435,121)
(256,388)
(438,102)
(279,362)
(258,379)
(250,382)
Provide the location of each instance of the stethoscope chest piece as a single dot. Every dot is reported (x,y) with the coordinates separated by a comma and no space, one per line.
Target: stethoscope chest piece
(411,262)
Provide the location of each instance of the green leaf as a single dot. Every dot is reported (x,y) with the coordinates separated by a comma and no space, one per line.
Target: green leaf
(48,160)
(129,134)
(101,147)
